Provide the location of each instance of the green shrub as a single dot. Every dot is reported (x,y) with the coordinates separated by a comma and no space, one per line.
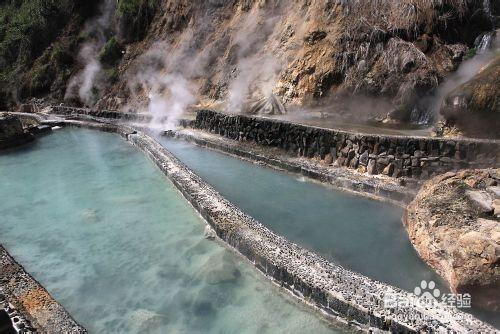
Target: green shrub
(61,55)
(129,7)
(111,52)
(135,17)
(42,79)
(112,75)
(470,53)
(27,28)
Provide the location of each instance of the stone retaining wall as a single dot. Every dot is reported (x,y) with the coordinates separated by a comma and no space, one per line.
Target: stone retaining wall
(397,156)
(384,189)
(109,114)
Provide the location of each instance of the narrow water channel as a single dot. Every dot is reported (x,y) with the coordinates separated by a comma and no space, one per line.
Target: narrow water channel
(98,225)
(360,234)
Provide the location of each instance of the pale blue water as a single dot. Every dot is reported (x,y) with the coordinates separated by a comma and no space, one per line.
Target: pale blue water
(364,235)
(99,226)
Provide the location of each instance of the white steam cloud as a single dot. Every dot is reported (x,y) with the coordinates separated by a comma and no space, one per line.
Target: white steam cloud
(82,84)
(257,68)
(487,49)
(160,85)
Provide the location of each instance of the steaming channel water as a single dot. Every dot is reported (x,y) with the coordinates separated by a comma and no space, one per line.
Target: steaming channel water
(97,224)
(360,234)
(364,235)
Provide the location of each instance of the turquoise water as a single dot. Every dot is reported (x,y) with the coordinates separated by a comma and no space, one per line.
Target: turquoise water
(364,235)
(99,226)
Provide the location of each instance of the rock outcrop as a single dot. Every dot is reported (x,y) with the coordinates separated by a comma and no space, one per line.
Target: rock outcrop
(454,224)
(337,53)
(12,133)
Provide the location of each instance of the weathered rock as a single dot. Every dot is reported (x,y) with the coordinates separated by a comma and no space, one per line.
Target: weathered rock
(481,199)
(322,47)
(452,225)
(372,167)
(389,169)
(363,158)
(270,105)
(12,133)
(328,159)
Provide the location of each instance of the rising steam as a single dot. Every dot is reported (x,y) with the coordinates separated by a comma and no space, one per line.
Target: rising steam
(161,87)
(488,47)
(257,69)
(85,82)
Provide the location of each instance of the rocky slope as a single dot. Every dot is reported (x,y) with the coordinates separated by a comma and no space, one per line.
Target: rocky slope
(454,224)
(142,54)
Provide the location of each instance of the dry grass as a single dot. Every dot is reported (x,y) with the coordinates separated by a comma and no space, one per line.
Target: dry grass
(407,15)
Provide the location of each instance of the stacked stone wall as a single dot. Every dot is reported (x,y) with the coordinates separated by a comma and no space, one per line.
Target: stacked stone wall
(396,156)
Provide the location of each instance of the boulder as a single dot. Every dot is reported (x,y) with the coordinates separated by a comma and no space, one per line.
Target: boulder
(453,225)
(12,133)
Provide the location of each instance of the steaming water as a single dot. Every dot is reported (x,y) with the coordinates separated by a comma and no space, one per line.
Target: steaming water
(96,223)
(364,235)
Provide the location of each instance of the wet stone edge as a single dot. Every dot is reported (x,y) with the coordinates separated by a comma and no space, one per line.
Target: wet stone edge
(30,307)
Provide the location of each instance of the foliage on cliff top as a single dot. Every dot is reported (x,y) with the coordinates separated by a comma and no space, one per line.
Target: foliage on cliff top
(111,52)
(27,28)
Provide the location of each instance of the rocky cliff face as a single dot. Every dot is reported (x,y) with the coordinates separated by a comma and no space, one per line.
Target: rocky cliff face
(306,52)
(454,224)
